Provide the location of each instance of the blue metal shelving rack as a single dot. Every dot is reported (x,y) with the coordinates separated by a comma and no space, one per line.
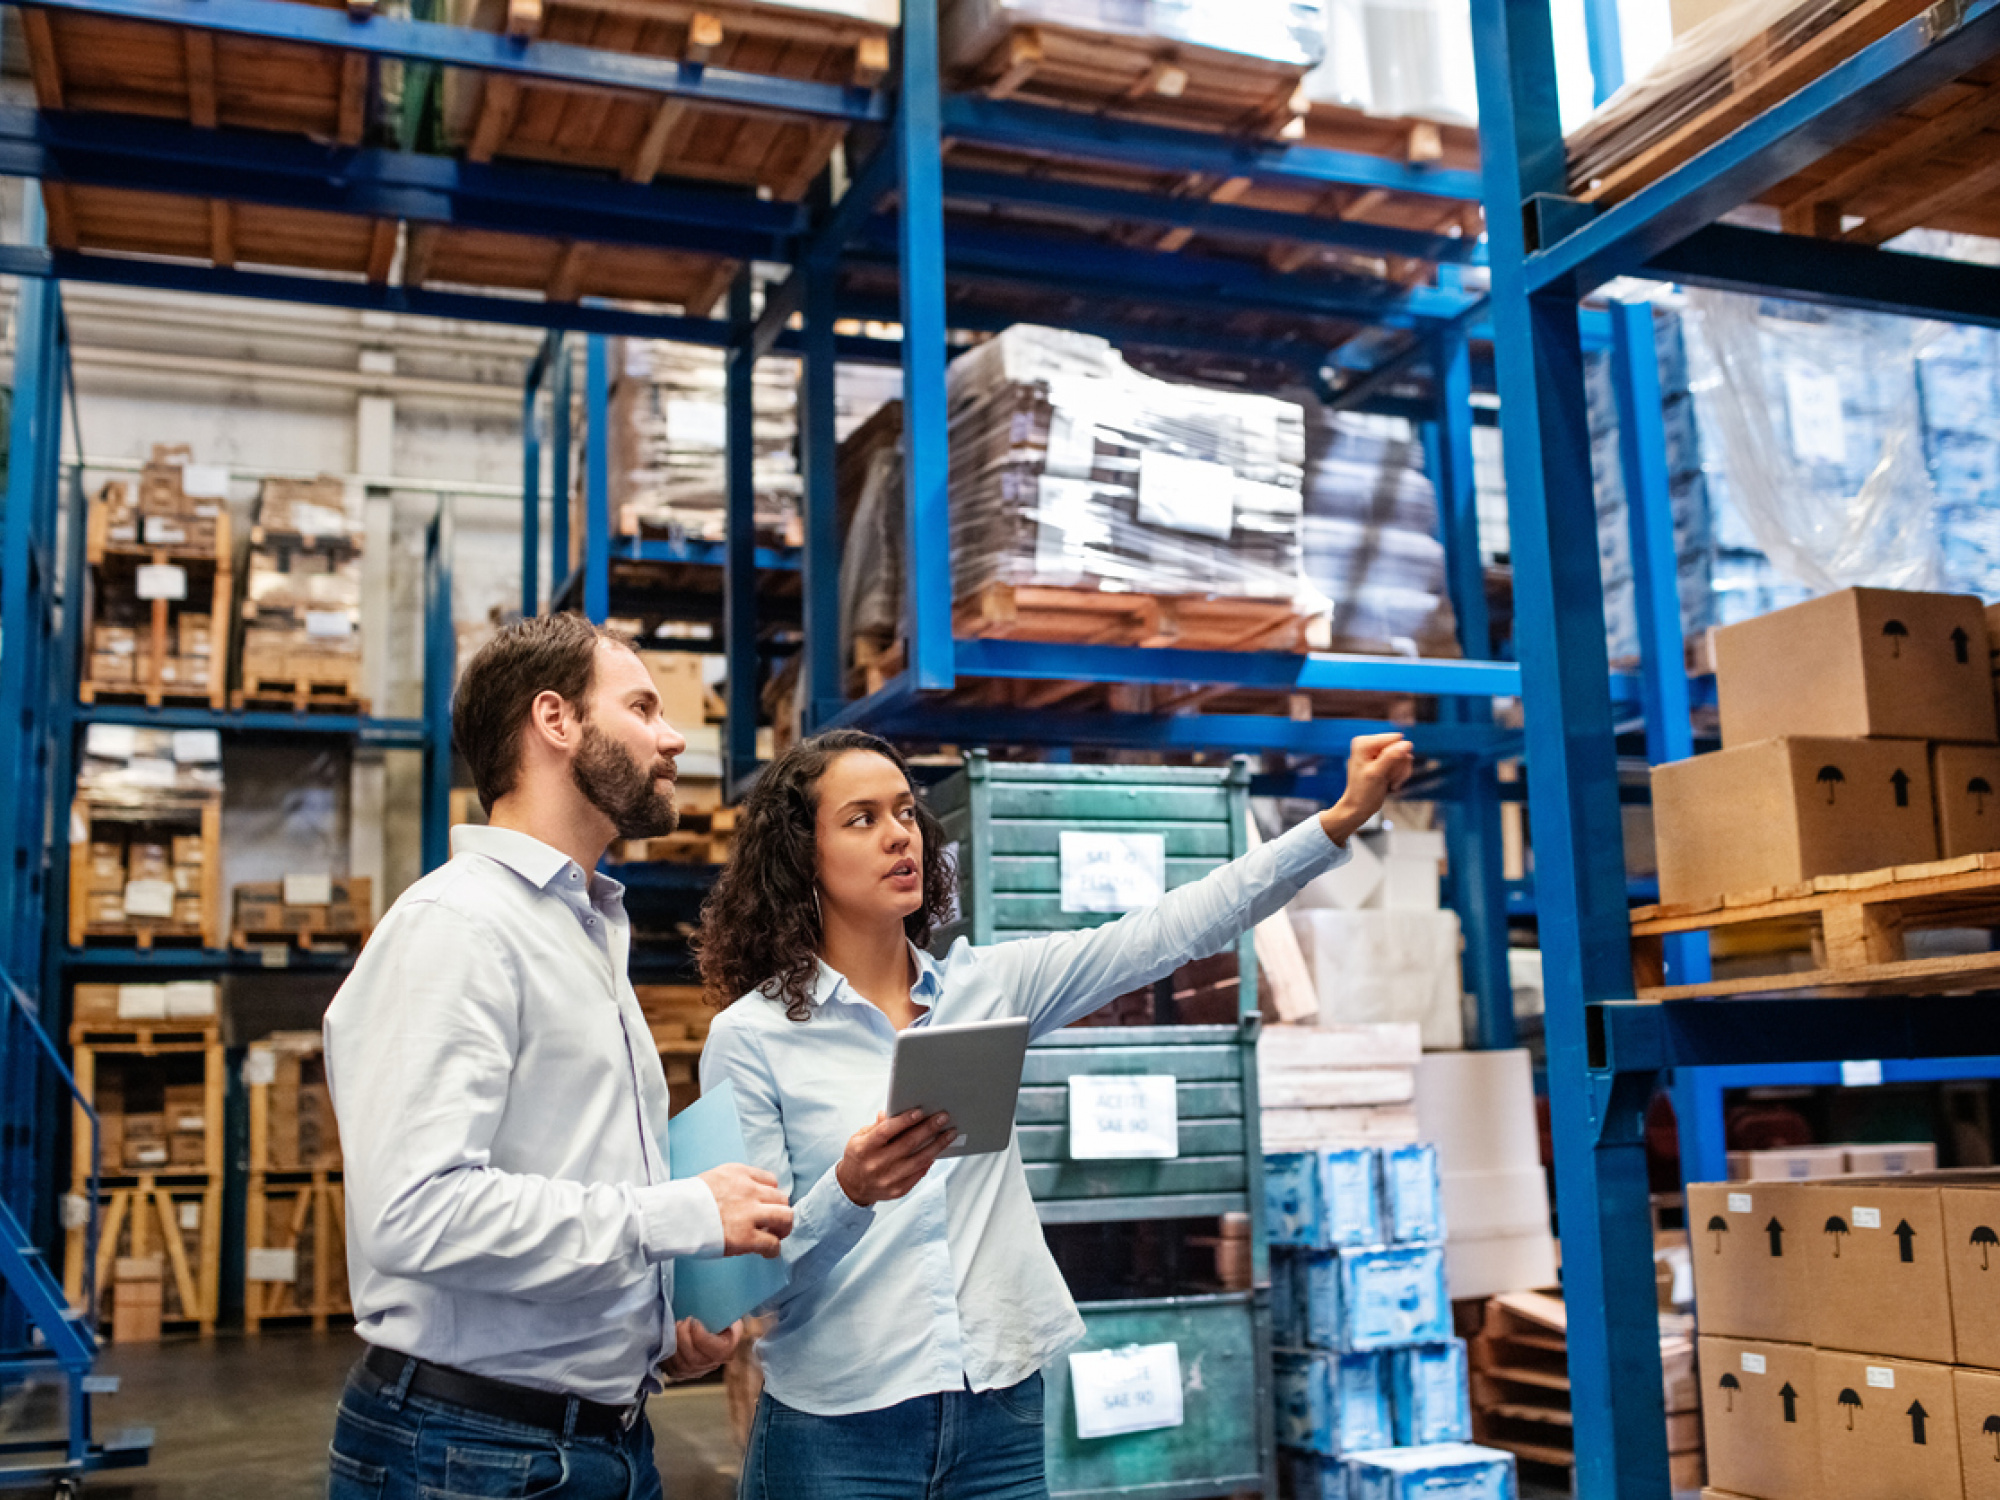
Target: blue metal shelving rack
(1607,1053)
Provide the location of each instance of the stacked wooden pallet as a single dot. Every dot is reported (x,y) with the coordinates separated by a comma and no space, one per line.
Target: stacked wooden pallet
(678,1015)
(145,853)
(317,912)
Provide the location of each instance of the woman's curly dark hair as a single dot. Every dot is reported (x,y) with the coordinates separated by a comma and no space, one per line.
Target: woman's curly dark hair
(760,925)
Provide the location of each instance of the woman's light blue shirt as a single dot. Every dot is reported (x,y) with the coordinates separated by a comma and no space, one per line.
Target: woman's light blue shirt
(953,1284)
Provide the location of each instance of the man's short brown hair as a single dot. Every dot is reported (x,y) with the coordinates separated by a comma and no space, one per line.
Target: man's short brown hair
(543,654)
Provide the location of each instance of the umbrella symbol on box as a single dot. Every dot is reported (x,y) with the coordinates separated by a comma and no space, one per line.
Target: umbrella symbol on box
(1979,789)
(1991,1427)
(1732,1385)
(1986,1240)
(1897,632)
(1831,777)
(1852,1401)
(1718,1226)
(1836,1226)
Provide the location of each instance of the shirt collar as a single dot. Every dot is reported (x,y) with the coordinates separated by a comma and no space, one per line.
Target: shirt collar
(924,989)
(534,861)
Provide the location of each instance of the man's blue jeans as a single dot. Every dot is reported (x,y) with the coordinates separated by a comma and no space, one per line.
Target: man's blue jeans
(388,1445)
(957,1445)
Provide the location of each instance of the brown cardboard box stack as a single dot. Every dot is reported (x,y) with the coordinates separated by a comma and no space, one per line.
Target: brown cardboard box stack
(333,905)
(137,1291)
(1805,1163)
(152,1112)
(300,1132)
(1850,1343)
(678,1016)
(141,845)
(1858,732)
(302,592)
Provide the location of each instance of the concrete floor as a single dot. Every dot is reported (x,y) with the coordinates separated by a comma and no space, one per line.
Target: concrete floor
(250,1419)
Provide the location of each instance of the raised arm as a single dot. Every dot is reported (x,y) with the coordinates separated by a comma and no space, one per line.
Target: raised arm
(1063,978)
(420,1046)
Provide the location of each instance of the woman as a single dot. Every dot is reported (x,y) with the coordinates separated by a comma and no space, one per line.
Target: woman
(922,1304)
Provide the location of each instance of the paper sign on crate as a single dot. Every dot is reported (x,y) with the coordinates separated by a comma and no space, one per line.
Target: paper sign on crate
(272,1265)
(1114,1117)
(1113,872)
(1133,1389)
(162,581)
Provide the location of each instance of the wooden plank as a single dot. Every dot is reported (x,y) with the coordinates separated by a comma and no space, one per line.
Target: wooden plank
(668,116)
(58,204)
(1971,971)
(1941,132)
(199,49)
(221,250)
(1926,207)
(355,71)
(381,251)
(170,1237)
(43,66)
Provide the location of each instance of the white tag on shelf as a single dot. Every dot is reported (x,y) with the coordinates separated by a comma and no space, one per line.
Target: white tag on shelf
(1134,1389)
(308,890)
(1187,494)
(1112,872)
(205,481)
(1113,1117)
(166,581)
(197,747)
(272,1265)
(1861,1075)
(329,624)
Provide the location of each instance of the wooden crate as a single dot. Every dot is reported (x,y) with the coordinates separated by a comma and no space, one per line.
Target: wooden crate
(1854,925)
(217,232)
(334,692)
(101,64)
(145,1218)
(563,270)
(641,137)
(205,819)
(299,1219)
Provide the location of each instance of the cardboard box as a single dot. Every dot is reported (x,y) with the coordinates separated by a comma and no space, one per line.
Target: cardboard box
(108,667)
(1972,1253)
(1977,1396)
(104,868)
(186,1108)
(1760,1418)
(1783,811)
(1879,1280)
(189,849)
(1888,1428)
(187,911)
(195,634)
(187,880)
(137,1294)
(188,1153)
(149,861)
(1791,1164)
(677,679)
(104,908)
(1893,1160)
(1874,663)
(150,1125)
(1964,779)
(146,1154)
(94,1005)
(1752,1270)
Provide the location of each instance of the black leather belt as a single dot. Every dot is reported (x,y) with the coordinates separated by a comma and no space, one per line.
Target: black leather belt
(497,1398)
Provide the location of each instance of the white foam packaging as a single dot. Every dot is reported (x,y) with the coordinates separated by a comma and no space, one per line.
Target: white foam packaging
(1387,966)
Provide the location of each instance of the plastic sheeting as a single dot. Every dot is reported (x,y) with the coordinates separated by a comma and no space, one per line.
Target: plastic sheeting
(1282,31)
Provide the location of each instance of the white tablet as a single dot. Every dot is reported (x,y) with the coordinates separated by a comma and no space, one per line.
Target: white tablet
(971,1072)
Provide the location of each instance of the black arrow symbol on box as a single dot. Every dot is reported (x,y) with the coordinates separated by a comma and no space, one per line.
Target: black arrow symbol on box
(1777,1233)
(1791,1399)
(1959,641)
(1901,782)
(1904,1235)
(1917,1415)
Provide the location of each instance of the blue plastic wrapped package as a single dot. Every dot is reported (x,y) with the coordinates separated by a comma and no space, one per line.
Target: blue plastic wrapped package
(1286,1330)
(1314,1476)
(1431,1400)
(1412,1195)
(1442,1471)
(1393,1297)
(1331,1404)
(1291,1199)
(1350,1205)
(1316,1298)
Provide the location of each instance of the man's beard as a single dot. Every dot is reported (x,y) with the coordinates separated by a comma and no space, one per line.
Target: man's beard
(620,788)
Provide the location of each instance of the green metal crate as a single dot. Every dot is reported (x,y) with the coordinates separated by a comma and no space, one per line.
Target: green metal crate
(1004,823)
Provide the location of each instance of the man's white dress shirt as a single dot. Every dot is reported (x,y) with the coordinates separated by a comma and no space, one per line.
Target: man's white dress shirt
(503,1115)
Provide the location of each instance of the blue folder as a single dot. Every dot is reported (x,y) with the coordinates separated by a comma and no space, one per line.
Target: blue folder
(717,1292)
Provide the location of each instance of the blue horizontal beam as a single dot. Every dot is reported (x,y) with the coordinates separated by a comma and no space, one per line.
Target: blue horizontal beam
(461,47)
(1832,273)
(1205,215)
(1828,1074)
(698,554)
(389,733)
(1055,132)
(1630,1036)
(203,960)
(1884,77)
(1047,661)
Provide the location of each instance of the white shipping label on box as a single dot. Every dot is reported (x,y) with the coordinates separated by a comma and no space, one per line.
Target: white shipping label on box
(149,898)
(1187,494)
(697,424)
(197,747)
(110,741)
(1113,872)
(329,624)
(308,890)
(205,481)
(162,531)
(1819,428)
(190,998)
(190,1216)
(142,1002)
(1867,1218)
(1739,1203)
(318,520)
(1861,1075)
(1882,1377)
(1753,1364)
(162,581)
(260,1066)
(151,771)
(1114,1118)
(272,1265)
(1134,1389)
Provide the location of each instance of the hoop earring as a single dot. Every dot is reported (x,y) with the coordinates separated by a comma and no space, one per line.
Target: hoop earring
(819,916)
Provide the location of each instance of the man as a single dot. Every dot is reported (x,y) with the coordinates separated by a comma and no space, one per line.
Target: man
(503,1115)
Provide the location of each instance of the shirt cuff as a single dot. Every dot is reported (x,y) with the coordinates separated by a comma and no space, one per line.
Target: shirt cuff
(680,1219)
(1307,851)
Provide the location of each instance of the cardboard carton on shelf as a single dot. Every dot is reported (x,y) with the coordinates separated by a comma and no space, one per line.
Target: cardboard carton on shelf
(110,667)
(1971,1214)
(1782,811)
(137,1297)
(1760,1418)
(1886,1427)
(1964,779)
(1899,1159)
(1877,1258)
(1788,1164)
(1976,1394)
(1874,663)
(1752,1277)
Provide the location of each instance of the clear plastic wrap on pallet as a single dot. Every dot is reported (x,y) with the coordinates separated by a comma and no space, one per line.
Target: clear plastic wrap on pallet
(127,767)
(1405,58)
(669,441)
(1071,469)
(1280,31)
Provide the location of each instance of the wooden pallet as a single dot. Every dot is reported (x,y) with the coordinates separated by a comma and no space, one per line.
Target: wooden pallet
(246,938)
(1195,622)
(1854,925)
(152,695)
(137,1216)
(216,231)
(311,1213)
(300,695)
(641,137)
(563,270)
(145,1039)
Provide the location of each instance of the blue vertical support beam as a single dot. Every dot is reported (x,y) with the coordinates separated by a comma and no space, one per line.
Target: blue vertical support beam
(440,671)
(739,558)
(1599,1122)
(1472,823)
(531,485)
(926,440)
(597,480)
(1605,37)
(561,384)
(821,688)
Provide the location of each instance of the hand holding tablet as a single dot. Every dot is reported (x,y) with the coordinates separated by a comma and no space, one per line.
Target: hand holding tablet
(971,1072)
